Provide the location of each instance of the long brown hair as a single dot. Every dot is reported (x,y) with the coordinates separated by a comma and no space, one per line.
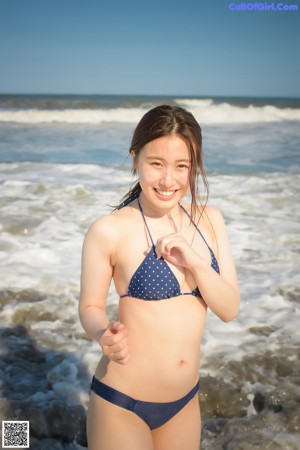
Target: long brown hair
(166,120)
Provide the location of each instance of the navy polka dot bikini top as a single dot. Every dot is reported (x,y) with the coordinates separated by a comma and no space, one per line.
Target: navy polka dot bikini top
(154,280)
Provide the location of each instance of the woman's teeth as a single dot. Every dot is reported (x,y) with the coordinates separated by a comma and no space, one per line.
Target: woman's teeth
(165,193)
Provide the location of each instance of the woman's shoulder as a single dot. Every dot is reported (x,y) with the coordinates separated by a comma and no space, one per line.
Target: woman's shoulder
(110,226)
(212,220)
(209,220)
(207,213)
(213,214)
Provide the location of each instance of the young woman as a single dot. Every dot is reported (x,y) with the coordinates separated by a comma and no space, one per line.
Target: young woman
(170,261)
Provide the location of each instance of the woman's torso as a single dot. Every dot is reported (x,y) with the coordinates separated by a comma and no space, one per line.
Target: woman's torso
(163,335)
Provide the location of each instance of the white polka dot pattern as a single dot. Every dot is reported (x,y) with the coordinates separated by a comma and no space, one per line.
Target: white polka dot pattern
(154,280)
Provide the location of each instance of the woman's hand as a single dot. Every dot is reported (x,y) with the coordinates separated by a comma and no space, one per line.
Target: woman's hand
(114,343)
(176,250)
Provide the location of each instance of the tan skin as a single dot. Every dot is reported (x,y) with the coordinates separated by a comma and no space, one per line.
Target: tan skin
(153,352)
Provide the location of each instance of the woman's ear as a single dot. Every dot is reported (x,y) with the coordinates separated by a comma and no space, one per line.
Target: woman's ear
(134,160)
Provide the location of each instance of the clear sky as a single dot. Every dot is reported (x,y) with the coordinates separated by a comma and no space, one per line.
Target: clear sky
(164,47)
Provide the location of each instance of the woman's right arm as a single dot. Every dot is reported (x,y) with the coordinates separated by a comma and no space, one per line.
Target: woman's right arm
(96,274)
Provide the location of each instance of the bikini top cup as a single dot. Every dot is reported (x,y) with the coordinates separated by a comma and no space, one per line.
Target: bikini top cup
(154,280)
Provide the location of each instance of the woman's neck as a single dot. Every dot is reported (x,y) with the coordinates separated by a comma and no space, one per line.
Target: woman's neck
(173,214)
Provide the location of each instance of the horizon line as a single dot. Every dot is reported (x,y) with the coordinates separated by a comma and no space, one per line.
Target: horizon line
(154,95)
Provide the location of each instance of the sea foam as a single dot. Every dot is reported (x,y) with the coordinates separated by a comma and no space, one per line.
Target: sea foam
(205,111)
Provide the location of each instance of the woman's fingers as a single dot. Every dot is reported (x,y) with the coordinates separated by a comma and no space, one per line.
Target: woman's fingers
(114,343)
(166,244)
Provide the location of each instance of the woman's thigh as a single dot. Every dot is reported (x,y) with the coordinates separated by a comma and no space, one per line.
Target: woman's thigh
(110,427)
(182,431)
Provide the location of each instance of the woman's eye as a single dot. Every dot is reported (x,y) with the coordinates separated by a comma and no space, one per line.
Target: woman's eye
(155,163)
(183,166)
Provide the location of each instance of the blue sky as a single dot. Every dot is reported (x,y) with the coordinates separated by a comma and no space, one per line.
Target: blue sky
(151,47)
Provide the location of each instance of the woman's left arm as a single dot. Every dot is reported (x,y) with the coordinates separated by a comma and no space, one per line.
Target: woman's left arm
(219,291)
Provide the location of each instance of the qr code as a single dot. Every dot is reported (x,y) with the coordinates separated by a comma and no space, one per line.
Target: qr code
(15,433)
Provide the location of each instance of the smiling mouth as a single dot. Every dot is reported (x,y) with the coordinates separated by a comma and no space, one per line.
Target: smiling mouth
(165,193)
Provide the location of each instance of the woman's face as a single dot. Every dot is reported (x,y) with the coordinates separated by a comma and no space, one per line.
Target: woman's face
(163,167)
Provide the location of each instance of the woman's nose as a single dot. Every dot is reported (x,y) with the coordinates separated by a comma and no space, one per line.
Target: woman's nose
(167,178)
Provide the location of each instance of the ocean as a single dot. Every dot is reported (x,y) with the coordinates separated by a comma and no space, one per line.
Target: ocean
(63,161)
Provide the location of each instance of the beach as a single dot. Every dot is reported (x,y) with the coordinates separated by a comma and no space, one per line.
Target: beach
(63,163)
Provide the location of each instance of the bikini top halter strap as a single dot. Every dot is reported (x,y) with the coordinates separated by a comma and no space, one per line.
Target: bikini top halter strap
(145,222)
(186,212)
(196,226)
